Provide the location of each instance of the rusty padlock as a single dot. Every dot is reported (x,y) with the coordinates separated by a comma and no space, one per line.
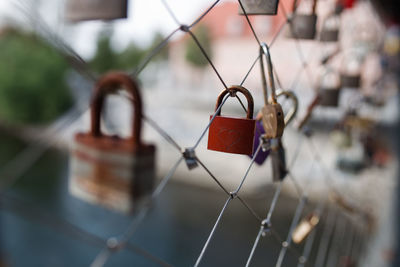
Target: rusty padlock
(303,26)
(259,7)
(80,10)
(329,88)
(260,132)
(305,227)
(108,170)
(330,28)
(272,113)
(233,135)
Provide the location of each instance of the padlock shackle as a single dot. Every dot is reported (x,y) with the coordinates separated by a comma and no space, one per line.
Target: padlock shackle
(314,6)
(264,51)
(292,112)
(294,6)
(232,90)
(108,84)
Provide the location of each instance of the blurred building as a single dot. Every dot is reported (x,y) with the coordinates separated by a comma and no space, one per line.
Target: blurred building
(233,45)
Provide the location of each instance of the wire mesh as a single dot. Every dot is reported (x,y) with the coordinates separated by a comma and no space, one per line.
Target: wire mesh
(114,244)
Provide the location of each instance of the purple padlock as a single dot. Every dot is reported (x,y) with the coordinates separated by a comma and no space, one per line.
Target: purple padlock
(262,154)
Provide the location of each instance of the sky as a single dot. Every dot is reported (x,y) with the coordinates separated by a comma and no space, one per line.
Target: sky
(145,17)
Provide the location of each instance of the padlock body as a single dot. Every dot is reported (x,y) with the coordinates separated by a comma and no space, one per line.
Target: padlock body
(304,228)
(350,81)
(329,35)
(259,7)
(273,120)
(81,10)
(111,172)
(278,161)
(329,97)
(231,135)
(302,231)
(304,26)
(261,155)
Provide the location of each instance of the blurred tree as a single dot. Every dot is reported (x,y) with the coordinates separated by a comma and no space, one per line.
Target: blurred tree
(193,53)
(106,59)
(32,84)
(163,53)
(130,57)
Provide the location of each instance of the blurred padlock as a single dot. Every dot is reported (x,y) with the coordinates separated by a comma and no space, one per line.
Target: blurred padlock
(260,132)
(80,10)
(272,113)
(341,138)
(305,227)
(278,160)
(303,26)
(330,28)
(233,135)
(108,170)
(329,88)
(259,7)
(350,80)
(350,69)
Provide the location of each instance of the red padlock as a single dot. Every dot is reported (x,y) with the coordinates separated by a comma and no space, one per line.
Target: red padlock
(233,135)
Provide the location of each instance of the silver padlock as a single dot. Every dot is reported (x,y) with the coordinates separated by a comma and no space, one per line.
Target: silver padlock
(259,7)
(81,10)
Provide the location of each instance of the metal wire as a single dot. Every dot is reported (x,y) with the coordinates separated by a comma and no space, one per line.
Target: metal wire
(251,68)
(106,253)
(295,221)
(153,53)
(32,212)
(266,224)
(204,14)
(248,21)
(123,241)
(326,237)
(203,51)
(163,133)
(203,251)
(334,251)
(297,43)
(303,260)
(14,169)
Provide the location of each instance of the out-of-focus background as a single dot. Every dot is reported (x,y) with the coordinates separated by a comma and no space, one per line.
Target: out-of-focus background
(344,159)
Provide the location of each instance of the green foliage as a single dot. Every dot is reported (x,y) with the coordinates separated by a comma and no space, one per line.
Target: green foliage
(106,59)
(32,83)
(193,53)
(130,57)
